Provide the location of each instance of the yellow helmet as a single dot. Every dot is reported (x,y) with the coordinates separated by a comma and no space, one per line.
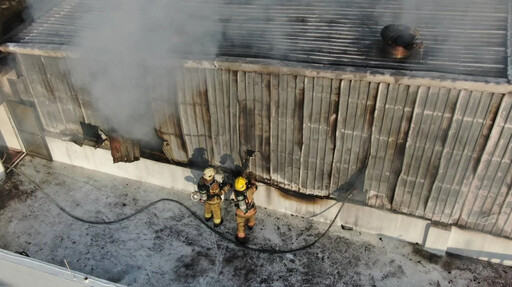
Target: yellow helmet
(209,173)
(240,183)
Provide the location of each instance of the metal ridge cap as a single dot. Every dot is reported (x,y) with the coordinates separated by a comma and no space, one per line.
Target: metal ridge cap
(497,85)
(36,49)
(476,83)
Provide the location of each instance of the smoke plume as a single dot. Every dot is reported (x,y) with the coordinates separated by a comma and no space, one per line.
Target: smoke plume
(123,48)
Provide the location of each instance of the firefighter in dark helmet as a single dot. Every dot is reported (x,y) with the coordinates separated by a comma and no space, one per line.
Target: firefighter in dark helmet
(211,192)
(245,187)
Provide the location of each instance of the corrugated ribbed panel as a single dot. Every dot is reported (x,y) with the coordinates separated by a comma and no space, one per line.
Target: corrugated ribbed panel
(286,102)
(488,202)
(55,100)
(90,113)
(460,37)
(321,97)
(219,108)
(56,69)
(254,121)
(354,122)
(194,114)
(164,105)
(468,133)
(431,120)
(389,134)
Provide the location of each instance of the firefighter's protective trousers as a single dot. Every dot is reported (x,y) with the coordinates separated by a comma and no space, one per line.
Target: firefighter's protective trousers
(213,206)
(242,220)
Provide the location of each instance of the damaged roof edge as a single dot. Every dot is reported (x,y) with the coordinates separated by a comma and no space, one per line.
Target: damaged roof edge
(475,83)
(38,50)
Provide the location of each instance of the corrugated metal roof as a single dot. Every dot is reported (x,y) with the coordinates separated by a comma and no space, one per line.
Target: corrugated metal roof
(461,37)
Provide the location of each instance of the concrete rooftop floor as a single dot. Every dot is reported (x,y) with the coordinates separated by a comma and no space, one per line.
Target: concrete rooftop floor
(166,246)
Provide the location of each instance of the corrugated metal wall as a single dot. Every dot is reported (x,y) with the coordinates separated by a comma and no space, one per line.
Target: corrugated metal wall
(435,152)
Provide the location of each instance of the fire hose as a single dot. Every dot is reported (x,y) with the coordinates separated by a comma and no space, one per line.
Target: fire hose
(198,217)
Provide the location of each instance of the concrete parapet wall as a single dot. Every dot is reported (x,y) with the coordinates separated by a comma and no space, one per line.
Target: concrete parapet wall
(17,270)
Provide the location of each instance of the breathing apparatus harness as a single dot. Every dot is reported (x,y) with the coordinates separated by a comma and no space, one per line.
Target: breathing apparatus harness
(241,199)
(205,192)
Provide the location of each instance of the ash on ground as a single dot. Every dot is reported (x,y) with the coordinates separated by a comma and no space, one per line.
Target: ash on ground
(166,246)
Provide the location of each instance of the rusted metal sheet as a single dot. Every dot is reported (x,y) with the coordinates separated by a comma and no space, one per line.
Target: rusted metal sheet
(124,149)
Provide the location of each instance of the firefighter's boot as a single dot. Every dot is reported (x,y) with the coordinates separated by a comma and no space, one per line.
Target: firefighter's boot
(242,240)
(218,224)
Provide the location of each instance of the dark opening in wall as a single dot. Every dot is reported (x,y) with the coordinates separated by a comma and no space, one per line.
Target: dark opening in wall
(93,134)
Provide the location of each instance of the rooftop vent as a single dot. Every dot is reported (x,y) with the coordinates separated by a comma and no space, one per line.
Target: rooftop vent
(399,41)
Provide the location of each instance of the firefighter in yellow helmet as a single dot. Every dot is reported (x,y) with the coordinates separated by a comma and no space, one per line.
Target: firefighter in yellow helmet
(245,207)
(211,191)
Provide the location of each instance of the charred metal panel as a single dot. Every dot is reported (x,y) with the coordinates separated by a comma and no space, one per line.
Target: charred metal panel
(431,117)
(223,107)
(254,114)
(354,119)
(194,113)
(468,125)
(90,115)
(320,119)
(286,129)
(382,135)
(165,111)
(69,106)
(488,202)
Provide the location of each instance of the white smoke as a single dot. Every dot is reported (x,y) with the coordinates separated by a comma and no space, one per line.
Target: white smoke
(127,49)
